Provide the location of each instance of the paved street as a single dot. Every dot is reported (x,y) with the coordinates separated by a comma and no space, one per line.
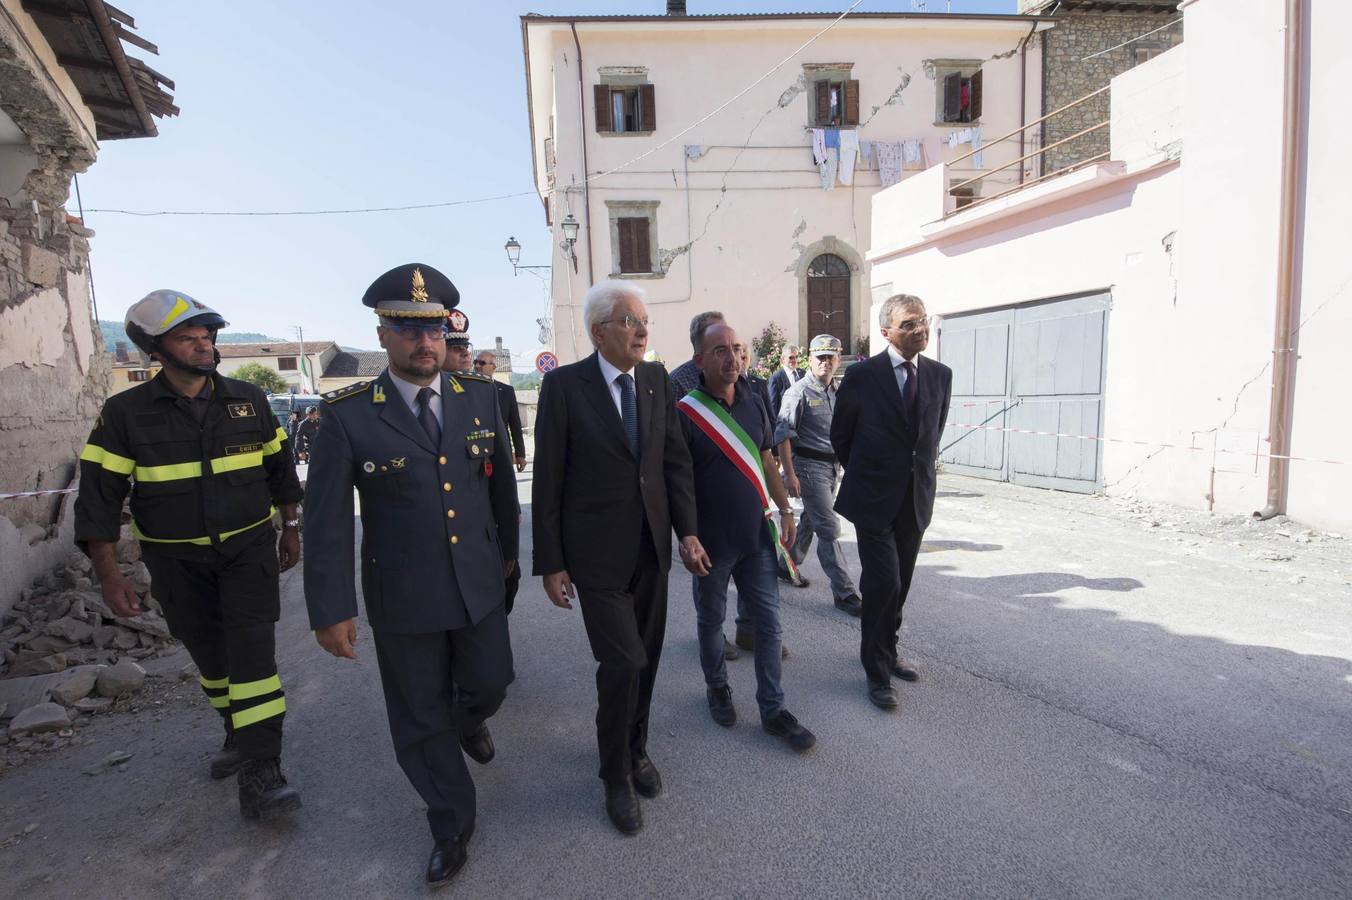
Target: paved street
(1115,702)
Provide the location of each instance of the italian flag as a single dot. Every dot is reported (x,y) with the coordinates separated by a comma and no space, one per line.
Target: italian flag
(721,428)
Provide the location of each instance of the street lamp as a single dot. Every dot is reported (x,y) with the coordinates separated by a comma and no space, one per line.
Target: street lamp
(569,226)
(513,248)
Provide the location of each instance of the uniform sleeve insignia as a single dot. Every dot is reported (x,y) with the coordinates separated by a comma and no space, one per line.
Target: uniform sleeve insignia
(350,391)
(240,410)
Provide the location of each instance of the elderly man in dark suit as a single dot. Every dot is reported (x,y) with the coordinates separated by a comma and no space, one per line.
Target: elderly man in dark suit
(890,414)
(785,377)
(612,479)
(428,454)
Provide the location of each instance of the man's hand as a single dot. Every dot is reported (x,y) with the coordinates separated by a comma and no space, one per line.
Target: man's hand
(694,557)
(791,484)
(788,531)
(340,638)
(559,588)
(508,568)
(120,595)
(288,549)
(521,463)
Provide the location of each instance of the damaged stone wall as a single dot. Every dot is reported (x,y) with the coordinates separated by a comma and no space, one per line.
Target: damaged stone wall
(1068,76)
(54,374)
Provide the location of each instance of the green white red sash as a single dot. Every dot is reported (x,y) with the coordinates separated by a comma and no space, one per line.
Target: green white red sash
(721,428)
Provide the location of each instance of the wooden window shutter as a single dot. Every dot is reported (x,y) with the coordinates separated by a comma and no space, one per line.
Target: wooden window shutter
(647,104)
(643,259)
(626,233)
(823,103)
(602,94)
(952,97)
(974,98)
(851,103)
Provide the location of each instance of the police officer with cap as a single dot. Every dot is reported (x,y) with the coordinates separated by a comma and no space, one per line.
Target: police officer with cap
(207,466)
(457,342)
(427,452)
(811,468)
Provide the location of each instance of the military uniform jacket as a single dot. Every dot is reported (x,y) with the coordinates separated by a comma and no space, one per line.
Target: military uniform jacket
(193,486)
(437,522)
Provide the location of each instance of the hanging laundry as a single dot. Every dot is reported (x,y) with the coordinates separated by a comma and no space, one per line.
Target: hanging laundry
(865,155)
(833,139)
(910,151)
(976,146)
(828,169)
(818,146)
(889,162)
(849,153)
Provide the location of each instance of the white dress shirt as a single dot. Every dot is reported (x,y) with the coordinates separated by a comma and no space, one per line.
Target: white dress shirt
(610,373)
(897,360)
(409,391)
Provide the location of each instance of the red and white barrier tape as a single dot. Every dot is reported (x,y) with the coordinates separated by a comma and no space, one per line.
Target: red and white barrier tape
(36,493)
(1156,444)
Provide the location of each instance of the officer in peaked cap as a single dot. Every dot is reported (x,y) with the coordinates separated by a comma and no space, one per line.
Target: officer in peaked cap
(457,342)
(428,454)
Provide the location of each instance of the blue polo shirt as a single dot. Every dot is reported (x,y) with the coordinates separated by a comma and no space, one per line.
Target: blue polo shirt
(731,518)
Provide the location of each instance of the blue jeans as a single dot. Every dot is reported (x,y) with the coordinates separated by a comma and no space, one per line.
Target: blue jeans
(757,590)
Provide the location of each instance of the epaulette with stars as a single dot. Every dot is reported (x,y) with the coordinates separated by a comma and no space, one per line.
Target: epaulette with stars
(344,392)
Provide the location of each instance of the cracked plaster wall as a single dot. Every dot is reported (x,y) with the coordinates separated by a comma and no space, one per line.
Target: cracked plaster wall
(54,374)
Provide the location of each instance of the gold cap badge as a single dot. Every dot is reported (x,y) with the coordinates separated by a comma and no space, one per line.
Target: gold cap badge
(419,287)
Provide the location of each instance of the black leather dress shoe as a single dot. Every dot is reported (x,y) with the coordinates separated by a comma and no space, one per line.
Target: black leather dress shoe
(883,695)
(622,807)
(479,745)
(647,780)
(851,604)
(904,670)
(448,857)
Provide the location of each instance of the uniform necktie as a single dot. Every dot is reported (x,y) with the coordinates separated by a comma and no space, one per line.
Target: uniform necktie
(425,417)
(908,389)
(629,411)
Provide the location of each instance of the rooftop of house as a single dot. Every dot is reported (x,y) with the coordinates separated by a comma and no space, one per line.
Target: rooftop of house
(356,364)
(277,348)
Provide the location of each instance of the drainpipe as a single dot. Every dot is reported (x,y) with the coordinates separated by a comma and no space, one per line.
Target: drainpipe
(586,184)
(1023,93)
(1283,354)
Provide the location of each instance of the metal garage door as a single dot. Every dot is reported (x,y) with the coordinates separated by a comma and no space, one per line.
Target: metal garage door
(1037,367)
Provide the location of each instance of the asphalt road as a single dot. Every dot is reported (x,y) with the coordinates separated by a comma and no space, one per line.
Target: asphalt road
(1107,709)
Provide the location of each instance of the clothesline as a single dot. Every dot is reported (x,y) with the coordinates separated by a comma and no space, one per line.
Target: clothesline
(838,151)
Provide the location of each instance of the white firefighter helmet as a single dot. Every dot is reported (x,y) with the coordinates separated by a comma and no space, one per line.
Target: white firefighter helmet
(160,312)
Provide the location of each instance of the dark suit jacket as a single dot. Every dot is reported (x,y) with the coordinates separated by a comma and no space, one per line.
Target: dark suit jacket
(590,497)
(511,415)
(436,522)
(883,452)
(780,382)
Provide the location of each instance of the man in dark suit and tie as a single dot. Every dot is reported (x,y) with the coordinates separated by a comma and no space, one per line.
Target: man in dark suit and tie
(428,453)
(890,414)
(613,477)
(784,377)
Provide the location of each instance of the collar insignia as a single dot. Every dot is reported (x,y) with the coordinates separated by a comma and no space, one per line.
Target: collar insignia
(377,393)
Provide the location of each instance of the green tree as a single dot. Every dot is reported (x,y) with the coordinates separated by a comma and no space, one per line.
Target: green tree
(260,375)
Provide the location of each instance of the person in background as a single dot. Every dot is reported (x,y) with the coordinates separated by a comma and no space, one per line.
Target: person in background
(811,469)
(686,376)
(306,432)
(785,376)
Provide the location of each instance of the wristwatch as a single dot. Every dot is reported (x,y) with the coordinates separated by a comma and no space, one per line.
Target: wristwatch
(291,523)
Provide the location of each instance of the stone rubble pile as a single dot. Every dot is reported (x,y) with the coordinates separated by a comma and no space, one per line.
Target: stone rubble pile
(64,622)
(65,655)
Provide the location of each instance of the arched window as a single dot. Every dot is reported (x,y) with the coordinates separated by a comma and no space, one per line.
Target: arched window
(828,265)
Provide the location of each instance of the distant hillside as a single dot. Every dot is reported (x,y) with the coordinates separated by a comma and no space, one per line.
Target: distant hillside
(114,332)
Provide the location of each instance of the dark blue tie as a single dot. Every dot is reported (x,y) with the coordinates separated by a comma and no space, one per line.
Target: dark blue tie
(629,411)
(425,416)
(908,389)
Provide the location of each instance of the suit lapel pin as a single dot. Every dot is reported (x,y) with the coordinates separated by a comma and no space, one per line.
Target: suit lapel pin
(368,467)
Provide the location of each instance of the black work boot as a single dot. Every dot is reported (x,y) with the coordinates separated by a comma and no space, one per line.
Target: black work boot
(228,761)
(263,791)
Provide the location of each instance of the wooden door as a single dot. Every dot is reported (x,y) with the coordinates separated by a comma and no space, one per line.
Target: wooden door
(828,299)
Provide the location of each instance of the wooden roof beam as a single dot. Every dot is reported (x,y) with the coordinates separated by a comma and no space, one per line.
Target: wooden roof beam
(99,13)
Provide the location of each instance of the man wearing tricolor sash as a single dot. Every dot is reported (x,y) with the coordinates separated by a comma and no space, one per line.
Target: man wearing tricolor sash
(730,434)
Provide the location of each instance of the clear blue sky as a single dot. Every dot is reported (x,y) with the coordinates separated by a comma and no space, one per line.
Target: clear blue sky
(299,106)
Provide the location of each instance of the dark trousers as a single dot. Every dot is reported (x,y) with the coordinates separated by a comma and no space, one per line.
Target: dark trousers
(513,585)
(224,610)
(886,563)
(626,628)
(437,687)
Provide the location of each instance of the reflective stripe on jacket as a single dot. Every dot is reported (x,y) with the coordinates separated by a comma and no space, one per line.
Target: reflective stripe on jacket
(191,483)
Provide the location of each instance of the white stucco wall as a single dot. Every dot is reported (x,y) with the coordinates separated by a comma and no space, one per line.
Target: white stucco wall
(1191,328)
(744,250)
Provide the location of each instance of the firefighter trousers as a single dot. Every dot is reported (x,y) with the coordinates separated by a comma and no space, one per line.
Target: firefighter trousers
(224,609)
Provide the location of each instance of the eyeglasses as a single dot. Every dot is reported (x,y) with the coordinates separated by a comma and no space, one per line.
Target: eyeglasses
(630,322)
(484,362)
(914,324)
(413,332)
